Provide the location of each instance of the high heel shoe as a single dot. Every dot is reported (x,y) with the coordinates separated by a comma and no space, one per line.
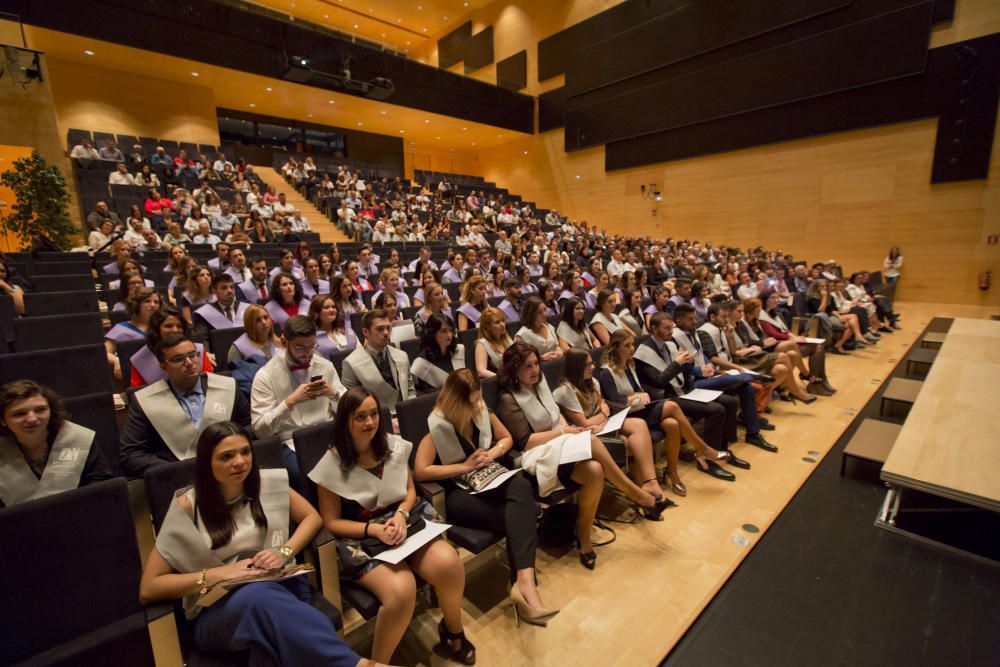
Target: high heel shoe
(678,488)
(525,612)
(795,399)
(588,559)
(465,654)
(654,513)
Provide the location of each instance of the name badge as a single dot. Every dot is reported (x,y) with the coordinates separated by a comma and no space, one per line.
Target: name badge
(219,409)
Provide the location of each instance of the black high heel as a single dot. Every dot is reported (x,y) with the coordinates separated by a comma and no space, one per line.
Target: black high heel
(587,558)
(465,654)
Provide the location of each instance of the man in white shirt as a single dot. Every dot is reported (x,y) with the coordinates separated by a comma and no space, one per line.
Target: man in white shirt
(345,216)
(381,235)
(299,223)
(220,164)
(120,176)
(425,256)
(133,235)
(617,265)
(100,237)
(282,206)
(84,153)
(503,244)
(296,388)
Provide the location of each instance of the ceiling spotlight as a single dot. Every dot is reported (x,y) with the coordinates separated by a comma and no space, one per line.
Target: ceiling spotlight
(310,115)
(438,138)
(578,177)
(359,123)
(401,131)
(473,143)
(252,105)
(427,120)
(195,74)
(383,112)
(424,29)
(355,26)
(268,89)
(464,129)
(525,152)
(445,18)
(329,101)
(89,52)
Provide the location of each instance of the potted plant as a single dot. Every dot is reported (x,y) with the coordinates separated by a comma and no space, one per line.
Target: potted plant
(41,206)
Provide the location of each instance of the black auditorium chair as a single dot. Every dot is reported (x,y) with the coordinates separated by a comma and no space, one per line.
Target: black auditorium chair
(468,339)
(63,267)
(97,412)
(162,482)
(63,282)
(411,347)
(73,136)
(71,585)
(412,415)
(553,371)
(311,444)
(50,331)
(338,359)
(7,317)
(219,342)
(125,349)
(58,303)
(70,371)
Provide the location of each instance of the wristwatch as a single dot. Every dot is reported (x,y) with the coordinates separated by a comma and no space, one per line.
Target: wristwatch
(286,551)
(405,513)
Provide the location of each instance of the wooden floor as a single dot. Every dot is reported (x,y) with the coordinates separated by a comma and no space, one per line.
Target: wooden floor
(651,584)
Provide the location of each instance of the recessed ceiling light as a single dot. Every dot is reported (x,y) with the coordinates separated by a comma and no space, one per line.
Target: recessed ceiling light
(359,123)
(525,152)
(89,52)
(420,7)
(438,138)
(465,4)
(407,43)
(371,11)
(499,136)
(310,115)
(252,105)
(473,143)
(399,20)
(445,18)
(427,120)
(268,89)
(383,112)
(329,101)
(355,26)
(424,29)
(326,16)
(194,74)
(383,34)
(464,129)
(578,177)
(401,131)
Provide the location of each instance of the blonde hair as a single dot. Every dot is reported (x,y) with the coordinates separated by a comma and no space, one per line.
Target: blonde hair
(486,321)
(454,403)
(386,274)
(612,355)
(471,284)
(250,318)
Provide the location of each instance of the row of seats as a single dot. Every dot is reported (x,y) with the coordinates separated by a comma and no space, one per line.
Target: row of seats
(149,144)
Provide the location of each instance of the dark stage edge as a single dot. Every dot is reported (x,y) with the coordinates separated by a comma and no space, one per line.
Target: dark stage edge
(825,586)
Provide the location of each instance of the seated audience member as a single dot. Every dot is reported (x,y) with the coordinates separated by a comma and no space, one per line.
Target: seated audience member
(631,314)
(473,302)
(377,366)
(661,300)
(367,265)
(237,266)
(165,417)
(572,284)
(513,303)
(536,331)
(235,508)
(440,354)
(771,330)
(389,282)
(167,321)
(42,453)
(257,229)
(220,262)
(101,237)
(160,157)
(224,220)
(603,284)
(120,176)
(436,303)
(821,305)
(287,265)
(348,299)
(879,306)
(236,235)
(707,376)
(546,294)
(312,284)
(526,406)
(287,299)
(102,214)
(682,294)
(605,322)
(197,292)
(133,235)
(84,154)
(465,437)
(155,203)
(222,311)
(204,235)
(258,339)
(456,269)
(110,152)
(492,341)
(748,351)
(355,279)
(295,388)
(368,502)
(865,313)
(175,236)
(387,302)
(573,330)
(667,372)
(139,306)
(332,333)
(9,287)
(256,289)
(145,177)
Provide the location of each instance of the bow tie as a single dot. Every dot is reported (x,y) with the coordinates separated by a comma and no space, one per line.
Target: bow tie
(298,368)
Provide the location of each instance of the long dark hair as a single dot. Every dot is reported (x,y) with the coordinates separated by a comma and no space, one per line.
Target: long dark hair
(341,439)
(157,319)
(513,358)
(428,344)
(576,361)
(568,306)
(276,284)
(209,503)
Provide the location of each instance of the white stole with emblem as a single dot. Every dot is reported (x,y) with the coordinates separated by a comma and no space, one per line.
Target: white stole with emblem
(62,472)
(167,416)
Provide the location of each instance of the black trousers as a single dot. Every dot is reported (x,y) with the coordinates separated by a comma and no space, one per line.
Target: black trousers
(509,510)
(720,418)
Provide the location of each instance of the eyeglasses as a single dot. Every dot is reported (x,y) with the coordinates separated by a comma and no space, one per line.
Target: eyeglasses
(179,359)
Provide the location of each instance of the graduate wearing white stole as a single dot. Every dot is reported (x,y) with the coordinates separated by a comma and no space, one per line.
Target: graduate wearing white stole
(432,374)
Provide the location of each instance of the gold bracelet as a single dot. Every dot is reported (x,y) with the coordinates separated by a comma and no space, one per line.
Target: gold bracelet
(203,582)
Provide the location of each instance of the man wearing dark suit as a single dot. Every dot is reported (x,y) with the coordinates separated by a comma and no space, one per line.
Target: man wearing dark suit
(224,312)
(166,417)
(668,372)
(255,289)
